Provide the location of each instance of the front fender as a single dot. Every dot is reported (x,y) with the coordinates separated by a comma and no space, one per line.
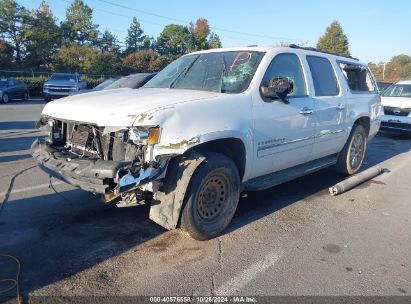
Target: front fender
(167,202)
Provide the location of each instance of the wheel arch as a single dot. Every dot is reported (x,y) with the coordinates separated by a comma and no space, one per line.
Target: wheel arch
(231,147)
(363,121)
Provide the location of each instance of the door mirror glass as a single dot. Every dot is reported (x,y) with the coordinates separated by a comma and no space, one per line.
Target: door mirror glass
(278,87)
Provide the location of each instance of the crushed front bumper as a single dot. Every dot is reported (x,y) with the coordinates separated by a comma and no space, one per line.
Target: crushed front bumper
(94,175)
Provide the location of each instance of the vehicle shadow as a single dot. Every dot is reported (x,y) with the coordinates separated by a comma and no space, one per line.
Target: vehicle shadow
(16,125)
(55,236)
(256,205)
(10,158)
(16,143)
(26,102)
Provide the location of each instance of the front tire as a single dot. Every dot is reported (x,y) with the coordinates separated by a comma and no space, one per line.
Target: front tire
(352,156)
(211,198)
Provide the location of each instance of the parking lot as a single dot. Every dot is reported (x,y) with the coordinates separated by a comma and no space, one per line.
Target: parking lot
(293,239)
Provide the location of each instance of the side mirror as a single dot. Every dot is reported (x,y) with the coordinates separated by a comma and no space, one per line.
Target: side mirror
(278,87)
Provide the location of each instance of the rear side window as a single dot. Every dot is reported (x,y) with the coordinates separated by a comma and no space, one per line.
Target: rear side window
(325,82)
(358,77)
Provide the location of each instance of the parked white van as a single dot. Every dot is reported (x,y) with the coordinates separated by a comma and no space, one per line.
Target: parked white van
(210,125)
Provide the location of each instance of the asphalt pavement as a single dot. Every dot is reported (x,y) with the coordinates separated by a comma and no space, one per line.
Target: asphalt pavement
(291,240)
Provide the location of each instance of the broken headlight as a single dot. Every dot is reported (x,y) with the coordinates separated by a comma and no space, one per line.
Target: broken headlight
(50,126)
(140,135)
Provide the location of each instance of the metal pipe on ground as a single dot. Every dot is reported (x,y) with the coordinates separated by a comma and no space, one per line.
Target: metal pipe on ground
(355,180)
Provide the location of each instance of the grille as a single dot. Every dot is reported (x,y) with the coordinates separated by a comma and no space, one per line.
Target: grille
(396,111)
(80,139)
(59,89)
(396,125)
(82,136)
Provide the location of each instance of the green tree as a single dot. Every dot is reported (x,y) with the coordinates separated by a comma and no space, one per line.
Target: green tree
(149,43)
(201,36)
(73,58)
(104,63)
(174,41)
(43,37)
(135,38)
(334,40)
(214,41)
(376,70)
(6,55)
(109,43)
(85,59)
(78,28)
(13,19)
(143,62)
(199,32)
(399,67)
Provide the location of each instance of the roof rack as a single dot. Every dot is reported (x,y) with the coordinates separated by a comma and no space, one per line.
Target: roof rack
(294,46)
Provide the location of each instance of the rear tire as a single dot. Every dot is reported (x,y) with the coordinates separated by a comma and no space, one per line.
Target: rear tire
(211,198)
(352,155)
(5,98)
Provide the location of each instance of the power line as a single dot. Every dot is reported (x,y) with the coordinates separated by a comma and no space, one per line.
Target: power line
(211,27)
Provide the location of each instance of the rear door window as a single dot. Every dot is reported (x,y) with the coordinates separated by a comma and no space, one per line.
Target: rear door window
(322,72)
(358,77)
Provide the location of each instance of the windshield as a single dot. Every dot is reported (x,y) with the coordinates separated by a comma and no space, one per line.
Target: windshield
(63,77)
(131,82)
(398,90)
(225,72)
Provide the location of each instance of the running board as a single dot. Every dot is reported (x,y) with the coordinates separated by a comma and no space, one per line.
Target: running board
(282,176)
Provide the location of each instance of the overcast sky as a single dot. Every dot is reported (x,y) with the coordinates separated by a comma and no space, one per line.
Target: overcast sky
(376,30)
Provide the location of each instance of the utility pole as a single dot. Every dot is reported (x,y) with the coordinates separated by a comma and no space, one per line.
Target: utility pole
(383,64)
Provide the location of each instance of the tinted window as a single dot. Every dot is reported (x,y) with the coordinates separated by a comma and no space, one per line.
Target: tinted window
(64,77)
(131,82)
(358,77)
(10,82)
(287,65)
(325,83)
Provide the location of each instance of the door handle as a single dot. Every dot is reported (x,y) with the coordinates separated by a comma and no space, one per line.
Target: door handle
(306,111)
(340,107)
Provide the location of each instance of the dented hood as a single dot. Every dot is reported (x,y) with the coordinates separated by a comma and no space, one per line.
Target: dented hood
(119,107)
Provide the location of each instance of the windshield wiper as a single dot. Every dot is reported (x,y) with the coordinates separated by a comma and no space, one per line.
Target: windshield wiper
(223,72)
(182,74)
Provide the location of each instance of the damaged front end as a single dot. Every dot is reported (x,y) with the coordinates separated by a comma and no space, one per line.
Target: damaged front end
(111,161)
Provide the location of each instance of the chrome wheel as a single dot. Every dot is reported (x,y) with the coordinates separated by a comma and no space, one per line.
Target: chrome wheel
(5,98)
(357,150)
(211,197)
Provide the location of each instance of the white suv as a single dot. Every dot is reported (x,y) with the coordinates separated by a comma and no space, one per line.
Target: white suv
(396,102)
(210,125)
